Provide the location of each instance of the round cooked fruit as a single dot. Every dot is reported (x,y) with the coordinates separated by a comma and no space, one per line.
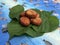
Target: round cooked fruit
(36,21)
(25,21)
(37,16)
(31,13)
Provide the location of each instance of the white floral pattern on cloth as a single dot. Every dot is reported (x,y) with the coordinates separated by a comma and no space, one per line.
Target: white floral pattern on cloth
(49,5)
(53,37)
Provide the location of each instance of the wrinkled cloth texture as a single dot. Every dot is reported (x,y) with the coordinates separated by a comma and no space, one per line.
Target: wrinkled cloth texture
(53,37)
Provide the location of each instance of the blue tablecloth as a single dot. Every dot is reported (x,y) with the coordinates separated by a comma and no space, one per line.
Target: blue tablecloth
(23,39)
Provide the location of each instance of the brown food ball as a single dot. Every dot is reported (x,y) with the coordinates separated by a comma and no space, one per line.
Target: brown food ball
(22,14)
(37,16)
(36,21)
(25,21)
(31,13)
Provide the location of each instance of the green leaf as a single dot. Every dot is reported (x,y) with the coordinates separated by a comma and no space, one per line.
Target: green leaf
(49,23)
(33,33)
(15,29)
(44,27)
(15,11)
(54,23)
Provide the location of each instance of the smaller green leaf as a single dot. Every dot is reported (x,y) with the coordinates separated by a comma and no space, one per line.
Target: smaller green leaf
(15,29)
(15,11)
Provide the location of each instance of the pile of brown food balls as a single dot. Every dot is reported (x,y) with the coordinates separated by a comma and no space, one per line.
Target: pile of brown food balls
(30,17)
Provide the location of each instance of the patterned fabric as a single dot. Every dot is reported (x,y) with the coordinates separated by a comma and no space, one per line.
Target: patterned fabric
(48,5)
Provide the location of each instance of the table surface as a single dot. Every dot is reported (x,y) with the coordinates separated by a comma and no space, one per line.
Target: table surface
(53,37)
